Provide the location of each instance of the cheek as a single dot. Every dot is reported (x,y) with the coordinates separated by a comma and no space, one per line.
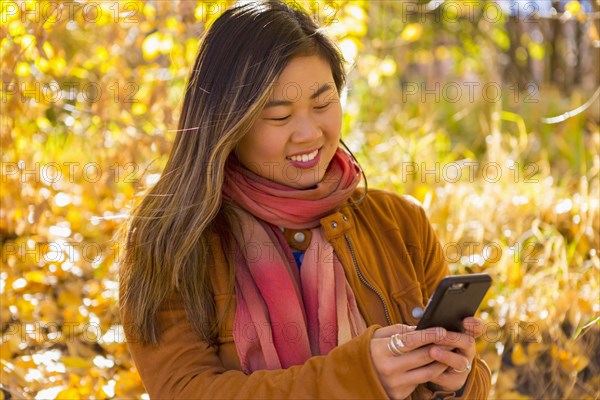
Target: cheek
(263,146)
(334,123)
(244,148)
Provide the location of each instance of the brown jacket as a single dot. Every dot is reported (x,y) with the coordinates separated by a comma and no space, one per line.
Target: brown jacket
(393,262)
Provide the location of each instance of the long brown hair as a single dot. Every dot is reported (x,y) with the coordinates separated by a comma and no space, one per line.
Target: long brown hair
(167,236)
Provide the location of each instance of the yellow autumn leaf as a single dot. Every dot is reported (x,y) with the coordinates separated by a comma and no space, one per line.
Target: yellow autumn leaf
(514,395)
(16,28)
(579,362)
(388,67)
(412,32)
(58,65)
(514,273)
(481,346)
(42,64)
(22,69)
(536,50)
(356,12)
(126,381)
(48,49)
(10,345)
(584,305)
(101,54)
(166,44)
(148,10)
(518,356)
(151,46)
(25,307)
(560,355)
(68,298)
(593,32)
(24,362)
(76,362)
(48,310)
(15,372)
(420,192)
(139,108)
(174,24)
(573,7)
(27,41)
(7,14)
(80,73)
(533,349)
(356,28)
(72,315)
(200,11)
(105,14)
(68,394)
(35,276)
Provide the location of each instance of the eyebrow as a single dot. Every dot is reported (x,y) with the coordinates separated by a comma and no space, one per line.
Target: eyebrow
(321,90)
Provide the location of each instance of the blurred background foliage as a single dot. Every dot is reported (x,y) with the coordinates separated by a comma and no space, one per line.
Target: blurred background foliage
(486,112)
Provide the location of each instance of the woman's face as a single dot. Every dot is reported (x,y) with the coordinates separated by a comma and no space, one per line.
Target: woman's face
(298,131)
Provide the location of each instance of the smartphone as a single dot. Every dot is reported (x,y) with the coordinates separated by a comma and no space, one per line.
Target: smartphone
(455,298)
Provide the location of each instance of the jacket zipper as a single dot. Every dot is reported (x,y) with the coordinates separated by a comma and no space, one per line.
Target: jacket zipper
(367,284)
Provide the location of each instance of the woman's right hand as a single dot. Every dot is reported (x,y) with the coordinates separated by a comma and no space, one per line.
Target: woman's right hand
(400,375)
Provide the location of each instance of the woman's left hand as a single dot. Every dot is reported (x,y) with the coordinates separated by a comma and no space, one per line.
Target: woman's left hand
(457,351)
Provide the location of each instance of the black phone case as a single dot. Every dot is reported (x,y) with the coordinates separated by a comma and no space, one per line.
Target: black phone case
(451,303)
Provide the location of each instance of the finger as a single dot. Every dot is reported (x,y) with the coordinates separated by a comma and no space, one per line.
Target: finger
(401,343)
(458,363)
(417,358)
(388,331)
(398,349)
(450,381)
(424,374)
(460,341)
(408,360)
(473,326)
(415,339)
(403,384)
(392,369)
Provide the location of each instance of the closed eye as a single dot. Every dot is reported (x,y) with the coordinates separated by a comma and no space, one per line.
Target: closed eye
(284,118)
(279,119)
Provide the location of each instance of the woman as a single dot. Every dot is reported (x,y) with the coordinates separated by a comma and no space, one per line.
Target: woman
(256,267)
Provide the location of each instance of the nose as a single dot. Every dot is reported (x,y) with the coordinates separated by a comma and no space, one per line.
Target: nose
(307,130)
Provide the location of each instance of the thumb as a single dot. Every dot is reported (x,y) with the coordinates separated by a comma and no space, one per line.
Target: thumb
(388,331)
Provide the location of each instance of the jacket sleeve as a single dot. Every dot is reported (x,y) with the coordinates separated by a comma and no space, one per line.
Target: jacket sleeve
(182,365)
(436,268)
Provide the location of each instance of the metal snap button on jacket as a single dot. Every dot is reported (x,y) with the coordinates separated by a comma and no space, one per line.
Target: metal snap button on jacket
(299,237)
(417,312)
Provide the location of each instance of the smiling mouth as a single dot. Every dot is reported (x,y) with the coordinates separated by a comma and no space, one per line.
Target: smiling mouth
(305,157)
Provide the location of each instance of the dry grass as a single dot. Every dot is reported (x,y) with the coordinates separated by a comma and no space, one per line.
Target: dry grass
(522,213)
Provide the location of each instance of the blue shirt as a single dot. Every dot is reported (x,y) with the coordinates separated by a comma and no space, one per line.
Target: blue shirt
(299,256)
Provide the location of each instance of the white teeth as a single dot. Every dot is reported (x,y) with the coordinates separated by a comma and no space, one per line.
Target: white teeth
(305,157)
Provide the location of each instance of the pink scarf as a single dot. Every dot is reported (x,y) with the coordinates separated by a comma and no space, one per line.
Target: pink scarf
(284,316)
